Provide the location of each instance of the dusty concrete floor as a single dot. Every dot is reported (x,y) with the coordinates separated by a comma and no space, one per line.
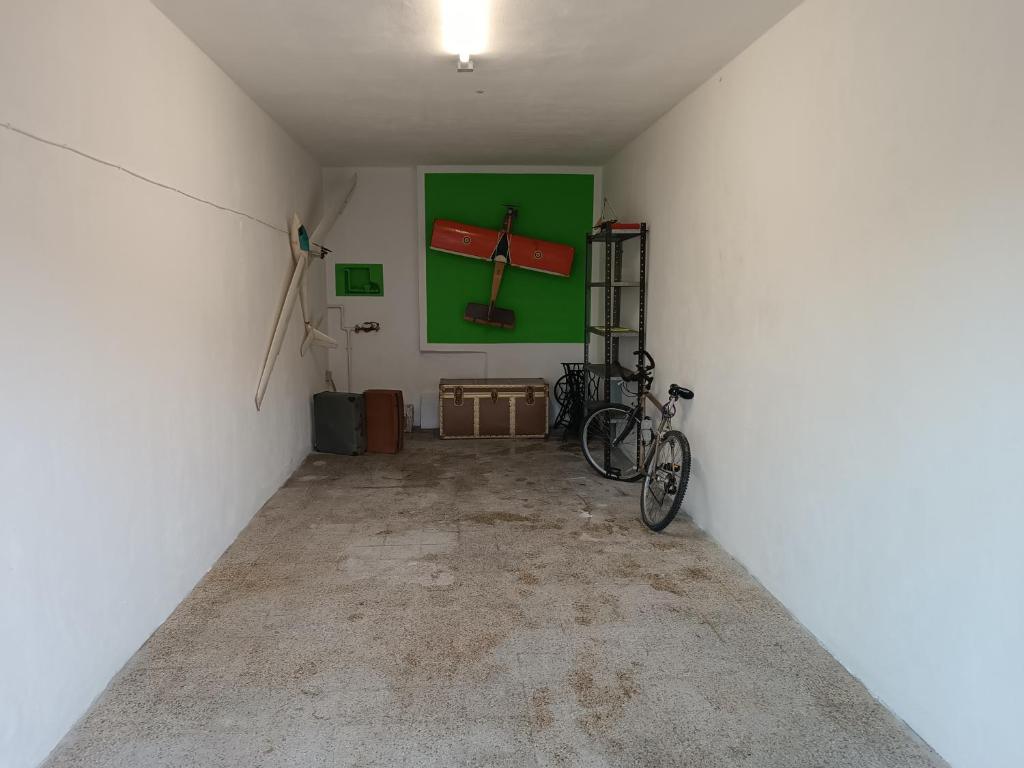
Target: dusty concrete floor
(479,603)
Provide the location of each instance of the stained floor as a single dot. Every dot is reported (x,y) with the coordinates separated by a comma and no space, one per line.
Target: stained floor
(479,604)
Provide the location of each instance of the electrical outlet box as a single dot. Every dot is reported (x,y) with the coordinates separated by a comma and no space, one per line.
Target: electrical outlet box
(359,280)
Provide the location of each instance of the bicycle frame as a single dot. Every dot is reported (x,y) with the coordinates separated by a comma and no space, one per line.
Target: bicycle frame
(667,411)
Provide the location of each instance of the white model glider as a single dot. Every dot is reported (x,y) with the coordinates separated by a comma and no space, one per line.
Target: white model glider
(299,240)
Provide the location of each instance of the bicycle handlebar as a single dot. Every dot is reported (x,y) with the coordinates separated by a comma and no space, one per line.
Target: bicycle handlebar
(645,376)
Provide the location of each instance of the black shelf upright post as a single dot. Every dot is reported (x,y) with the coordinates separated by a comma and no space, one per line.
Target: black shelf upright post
(587,278)
(616,307)
(609,340)
(609,337)
(642,313)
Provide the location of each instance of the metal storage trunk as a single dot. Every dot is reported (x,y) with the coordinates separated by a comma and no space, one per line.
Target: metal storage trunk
(493,408)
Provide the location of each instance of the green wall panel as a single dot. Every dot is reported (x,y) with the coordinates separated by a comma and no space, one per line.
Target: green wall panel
(554,207)
(359,279)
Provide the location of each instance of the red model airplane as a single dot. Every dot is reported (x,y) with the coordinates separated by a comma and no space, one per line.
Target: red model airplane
(501,247)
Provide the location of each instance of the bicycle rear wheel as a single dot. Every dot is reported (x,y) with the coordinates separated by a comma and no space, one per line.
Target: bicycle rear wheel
(666,481)
(613,443)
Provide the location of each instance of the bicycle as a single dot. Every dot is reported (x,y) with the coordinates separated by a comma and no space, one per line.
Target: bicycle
(620,444)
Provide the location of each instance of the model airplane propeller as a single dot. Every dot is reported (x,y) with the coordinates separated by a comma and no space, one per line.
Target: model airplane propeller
(299,240)
(503,248)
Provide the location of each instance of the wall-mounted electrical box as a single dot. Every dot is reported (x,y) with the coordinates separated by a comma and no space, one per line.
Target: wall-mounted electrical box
(359,280)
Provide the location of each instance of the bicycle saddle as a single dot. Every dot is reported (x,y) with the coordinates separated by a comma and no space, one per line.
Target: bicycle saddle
(683,394)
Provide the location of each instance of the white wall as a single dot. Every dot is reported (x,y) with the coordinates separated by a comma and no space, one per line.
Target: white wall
(133,322)
(837,235)
(381,225)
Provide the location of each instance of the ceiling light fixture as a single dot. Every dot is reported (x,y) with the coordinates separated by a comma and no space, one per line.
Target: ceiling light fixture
(465,26)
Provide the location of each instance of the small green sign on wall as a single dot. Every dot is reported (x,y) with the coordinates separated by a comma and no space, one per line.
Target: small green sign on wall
(359,280)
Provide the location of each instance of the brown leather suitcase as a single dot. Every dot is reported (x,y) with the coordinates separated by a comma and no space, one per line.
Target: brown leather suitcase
(493,408)
(385,415)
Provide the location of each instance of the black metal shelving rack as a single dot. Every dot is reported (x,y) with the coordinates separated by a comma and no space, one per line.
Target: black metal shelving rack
(613,285)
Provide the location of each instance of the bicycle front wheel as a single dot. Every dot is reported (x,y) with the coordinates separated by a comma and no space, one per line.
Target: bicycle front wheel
(666,481)
(613,443)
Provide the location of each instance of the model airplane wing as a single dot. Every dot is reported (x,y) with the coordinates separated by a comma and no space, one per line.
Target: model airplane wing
(540,256)
(464,239)
(480,242)
(333,212)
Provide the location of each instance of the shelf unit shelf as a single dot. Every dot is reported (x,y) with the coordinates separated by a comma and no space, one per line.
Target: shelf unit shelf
(597,330)
(604,235)
(616,284)
(613,371)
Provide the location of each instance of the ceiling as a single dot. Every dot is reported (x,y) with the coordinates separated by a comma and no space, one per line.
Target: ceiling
(366,82)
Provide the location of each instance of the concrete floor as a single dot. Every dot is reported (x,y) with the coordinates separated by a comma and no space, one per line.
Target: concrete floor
(479,603)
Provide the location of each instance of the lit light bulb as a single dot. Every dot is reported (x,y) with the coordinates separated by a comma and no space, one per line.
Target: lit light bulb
(465,26)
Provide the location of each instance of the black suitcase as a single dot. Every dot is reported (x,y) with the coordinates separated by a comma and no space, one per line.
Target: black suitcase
(339,423)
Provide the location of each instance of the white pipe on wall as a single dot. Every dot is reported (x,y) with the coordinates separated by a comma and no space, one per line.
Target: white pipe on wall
(348,342)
